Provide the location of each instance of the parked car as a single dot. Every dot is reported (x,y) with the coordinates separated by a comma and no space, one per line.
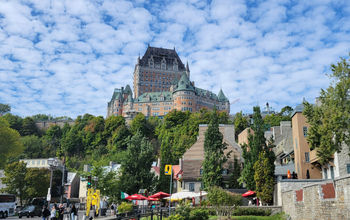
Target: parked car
(30,211)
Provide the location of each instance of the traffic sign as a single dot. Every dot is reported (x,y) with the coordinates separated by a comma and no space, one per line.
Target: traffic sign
(168,169)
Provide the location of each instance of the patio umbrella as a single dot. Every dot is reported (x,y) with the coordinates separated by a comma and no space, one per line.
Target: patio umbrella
(160,195)
(136,197)
(249,193)
(149,198)
(184,194)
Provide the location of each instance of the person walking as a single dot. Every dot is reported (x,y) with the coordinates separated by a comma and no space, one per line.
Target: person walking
(73,212)
(60,212)
(45,213)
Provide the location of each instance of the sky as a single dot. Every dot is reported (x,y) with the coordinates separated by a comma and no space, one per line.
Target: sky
(64,58)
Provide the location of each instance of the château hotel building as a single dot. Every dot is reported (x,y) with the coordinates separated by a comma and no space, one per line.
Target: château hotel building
(161,84)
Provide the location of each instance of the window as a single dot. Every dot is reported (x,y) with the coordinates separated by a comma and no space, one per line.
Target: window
(332,172)
(307,157)
(348,167)
(191,187)
(140,109)
(305,131)
(325,173)
(201,172)
(224,171)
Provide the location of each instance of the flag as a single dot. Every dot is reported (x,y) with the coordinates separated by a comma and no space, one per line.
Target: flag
(123,195)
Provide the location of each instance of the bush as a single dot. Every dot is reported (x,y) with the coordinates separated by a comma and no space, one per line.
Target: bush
(199,214)
(183,210)
(176,217)
(220,197)
(125,207)
(251,211)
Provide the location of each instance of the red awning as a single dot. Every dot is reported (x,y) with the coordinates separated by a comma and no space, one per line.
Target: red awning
(136,197)
(249,193)
(152,199)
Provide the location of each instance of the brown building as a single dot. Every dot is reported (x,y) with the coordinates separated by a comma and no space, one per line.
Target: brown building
(161,84)
(304,168)
(193,158)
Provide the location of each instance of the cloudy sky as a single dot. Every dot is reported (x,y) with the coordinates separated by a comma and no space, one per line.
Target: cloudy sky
(66,57)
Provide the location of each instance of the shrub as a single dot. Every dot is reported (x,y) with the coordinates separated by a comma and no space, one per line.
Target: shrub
(176,217)
(125,207)
(199,214)
(220,197)
(184,210)
(251,211)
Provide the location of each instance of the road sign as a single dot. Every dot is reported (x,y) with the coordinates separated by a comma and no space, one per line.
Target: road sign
(168,169)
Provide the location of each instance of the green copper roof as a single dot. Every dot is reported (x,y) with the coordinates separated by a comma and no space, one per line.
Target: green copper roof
(155,97)
(184,84)
(221,96)
(206,93)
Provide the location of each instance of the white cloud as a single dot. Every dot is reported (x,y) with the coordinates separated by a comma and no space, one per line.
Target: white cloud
(66,57)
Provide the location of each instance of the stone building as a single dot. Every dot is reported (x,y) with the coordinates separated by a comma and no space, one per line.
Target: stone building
(161,84)
(192,160)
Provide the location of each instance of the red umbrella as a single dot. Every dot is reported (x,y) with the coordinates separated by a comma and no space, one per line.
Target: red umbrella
(249,193)
(160,195)
(136,197)
(151,199)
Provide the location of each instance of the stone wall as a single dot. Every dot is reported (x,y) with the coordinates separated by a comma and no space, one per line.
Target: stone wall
(321,200)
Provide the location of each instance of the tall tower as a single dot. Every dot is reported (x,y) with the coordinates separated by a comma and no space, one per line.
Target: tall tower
(157,70)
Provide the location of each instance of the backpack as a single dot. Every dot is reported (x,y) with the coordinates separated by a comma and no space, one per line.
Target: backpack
(57,213)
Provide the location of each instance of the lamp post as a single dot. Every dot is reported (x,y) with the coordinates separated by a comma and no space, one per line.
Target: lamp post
(52,163)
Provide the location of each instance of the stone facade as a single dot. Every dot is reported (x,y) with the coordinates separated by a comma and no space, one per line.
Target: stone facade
(323,200)
(161,84)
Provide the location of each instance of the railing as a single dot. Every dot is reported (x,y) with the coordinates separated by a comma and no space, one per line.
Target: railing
(158,213)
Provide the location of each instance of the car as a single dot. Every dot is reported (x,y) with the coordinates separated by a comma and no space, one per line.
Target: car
(30,211)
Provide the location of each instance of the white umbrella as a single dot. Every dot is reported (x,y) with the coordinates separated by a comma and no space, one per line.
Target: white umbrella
(185,194)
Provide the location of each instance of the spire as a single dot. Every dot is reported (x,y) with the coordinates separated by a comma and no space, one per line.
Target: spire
(221,96)
(187,67)
(138,59)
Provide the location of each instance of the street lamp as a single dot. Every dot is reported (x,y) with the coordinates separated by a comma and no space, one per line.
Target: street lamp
(54,163)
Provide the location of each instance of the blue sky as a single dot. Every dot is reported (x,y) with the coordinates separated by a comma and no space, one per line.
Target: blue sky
(66,57)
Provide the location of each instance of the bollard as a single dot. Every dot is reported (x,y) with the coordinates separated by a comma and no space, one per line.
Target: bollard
(161,214)
(152,214)
(84,217)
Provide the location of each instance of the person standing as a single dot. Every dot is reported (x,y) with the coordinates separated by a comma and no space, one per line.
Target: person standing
(60,212)
(53,213)
(73,212)
(45,213)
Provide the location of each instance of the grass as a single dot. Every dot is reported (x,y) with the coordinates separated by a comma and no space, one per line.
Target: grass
(279,216)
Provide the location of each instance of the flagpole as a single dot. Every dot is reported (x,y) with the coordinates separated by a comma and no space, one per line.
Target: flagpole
(171,184)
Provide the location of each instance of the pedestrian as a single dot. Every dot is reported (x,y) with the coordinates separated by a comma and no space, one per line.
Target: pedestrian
(60,212)
(73,212)
(45,213)
(112,209)
(53,213)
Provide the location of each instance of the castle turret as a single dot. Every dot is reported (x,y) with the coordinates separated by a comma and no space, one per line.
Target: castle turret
(184,95)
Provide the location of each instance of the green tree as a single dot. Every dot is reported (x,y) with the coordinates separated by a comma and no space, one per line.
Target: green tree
(264,178)
(256,143)
(29,127)
(10,145)
(330,120)
(51,140)
(14,180)
(33,147)
(15,121)
(240,122)
(42,117)
(37,182)
(286,111)
(234,175)
(4,108)
(136,165)
(214,156)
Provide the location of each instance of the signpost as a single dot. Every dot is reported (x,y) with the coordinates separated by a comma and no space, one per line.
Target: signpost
(169,171)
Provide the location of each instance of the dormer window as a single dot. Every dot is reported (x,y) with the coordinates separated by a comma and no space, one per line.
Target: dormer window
(163,64)
(175,65)
(151,62)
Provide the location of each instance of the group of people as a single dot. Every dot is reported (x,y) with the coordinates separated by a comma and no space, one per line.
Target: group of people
(57,212)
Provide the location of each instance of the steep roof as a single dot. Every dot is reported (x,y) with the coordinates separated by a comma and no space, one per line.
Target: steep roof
(184,84)
(159,53)
(221,96)
(154,97)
